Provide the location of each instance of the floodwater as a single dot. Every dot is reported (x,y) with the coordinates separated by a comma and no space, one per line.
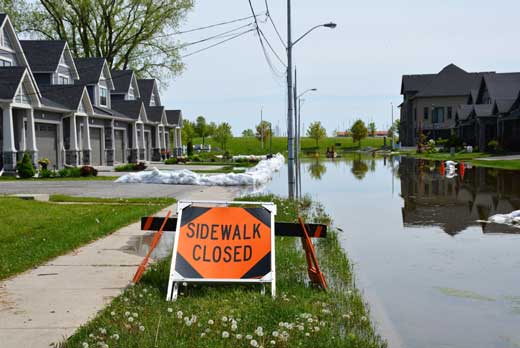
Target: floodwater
(434,276)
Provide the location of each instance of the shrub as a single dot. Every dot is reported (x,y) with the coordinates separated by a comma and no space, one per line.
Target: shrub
(46,174)
(493,146)
(88,171)
(227,156)
(25,167)
(171,160)
(130,167)
(195,158)
(44,162)
(430,147)
(189,148)
(72,172)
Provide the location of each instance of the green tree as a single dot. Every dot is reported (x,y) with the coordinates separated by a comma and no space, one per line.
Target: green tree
(316,131)
(188,131)
(130,34)
(25,167)
(359,131)
(248,133)
(372,128)
(201,128)
(223,134)
(263,131)
(394,129)
(212,128)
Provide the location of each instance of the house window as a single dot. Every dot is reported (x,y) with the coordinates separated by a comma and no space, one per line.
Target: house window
(5,62)
(103,96)
(426,113)
(4,40)
(131,95)
(22,97)
(438,115)
(450,112)
(152,100)
(63,80)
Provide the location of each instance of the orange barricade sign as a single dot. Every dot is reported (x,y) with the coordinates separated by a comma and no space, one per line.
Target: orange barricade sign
(223,244)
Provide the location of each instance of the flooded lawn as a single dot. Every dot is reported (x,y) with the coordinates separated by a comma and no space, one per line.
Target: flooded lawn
(433,274)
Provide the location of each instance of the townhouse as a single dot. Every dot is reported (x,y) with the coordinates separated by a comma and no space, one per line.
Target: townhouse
(76,111)
(477,107)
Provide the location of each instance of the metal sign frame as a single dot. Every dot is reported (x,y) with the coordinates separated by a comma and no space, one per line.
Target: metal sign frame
(176,278)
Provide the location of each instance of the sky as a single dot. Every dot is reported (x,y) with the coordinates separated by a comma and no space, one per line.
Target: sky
(356,68)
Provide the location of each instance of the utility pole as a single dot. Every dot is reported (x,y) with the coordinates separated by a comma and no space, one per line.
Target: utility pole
(290,111)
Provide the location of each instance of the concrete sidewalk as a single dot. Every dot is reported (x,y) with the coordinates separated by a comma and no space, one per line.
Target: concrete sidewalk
(47,304)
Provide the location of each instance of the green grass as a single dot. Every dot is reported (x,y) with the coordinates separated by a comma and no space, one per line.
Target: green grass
(443,156)
(146,201)
(33,232)
(499,164)
(252,146)
(302,316)
(81,178)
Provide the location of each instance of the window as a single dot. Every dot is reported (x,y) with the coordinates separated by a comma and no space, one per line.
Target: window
(438,115)
(450,112)
(22,97)
(131,95)
(5,62)
(426,113)
(103,96)
(4,40)
(63,80)
(152,100)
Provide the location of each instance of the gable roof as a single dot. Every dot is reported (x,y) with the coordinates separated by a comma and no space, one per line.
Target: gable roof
(483,110)
(502,85)
(146,88)
(66,95)
(43,55)
(10,78)
(464,111)
(154,113)
(122,80)
(174,117)
(90,70)
(415,83)
(129,108)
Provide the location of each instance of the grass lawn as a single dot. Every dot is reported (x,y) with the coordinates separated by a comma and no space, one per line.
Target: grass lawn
(252,146)
(82,178)
(33,232)
(443,156)
(142,201)
(238,315)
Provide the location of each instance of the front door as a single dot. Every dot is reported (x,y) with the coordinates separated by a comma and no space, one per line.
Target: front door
(119,146)
(148,145)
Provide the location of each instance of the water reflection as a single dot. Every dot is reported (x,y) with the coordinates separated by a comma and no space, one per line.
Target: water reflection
(316,169)
(359,168)
(455,204)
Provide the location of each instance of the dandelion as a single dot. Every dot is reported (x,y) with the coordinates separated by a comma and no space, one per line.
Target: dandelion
(203,334)
(325,311)
(112,313)
(310,320)
(91,335)
(141,328)
(145,290)
(135,315)
(363,318)
(346,316)
(316,328)
(170,310)
(115,337)
(234,327)
(208,330)
(272,342)
(249,337)
(259,331)
(224,319)
(84,345)
(179,314)
(211,322)
(300,327)
(225,334)
(275,333)
(307,334)
(184,284)
(103,331)
(127,313)
(131,319)
(238,336)
(253,343)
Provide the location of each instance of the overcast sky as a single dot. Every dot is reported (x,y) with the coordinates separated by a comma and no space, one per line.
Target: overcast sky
(356,67)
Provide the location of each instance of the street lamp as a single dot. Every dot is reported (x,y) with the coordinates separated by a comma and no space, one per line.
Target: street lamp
(298,100)
(290,96)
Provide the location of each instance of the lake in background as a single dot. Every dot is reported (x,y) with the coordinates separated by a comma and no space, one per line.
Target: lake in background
(432,274)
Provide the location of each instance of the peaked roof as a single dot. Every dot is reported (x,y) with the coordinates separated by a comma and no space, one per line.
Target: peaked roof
(415,83)
(154,113)
(504,105)
(122,80)
(10,78)
(174,117)
(452,81)
(66,95)
(464,111)
(146,87)
(43,55)
(503,85)
(89,69)
(130,108)
(483,110)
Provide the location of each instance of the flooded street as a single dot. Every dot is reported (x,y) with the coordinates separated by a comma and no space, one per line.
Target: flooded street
(433,275)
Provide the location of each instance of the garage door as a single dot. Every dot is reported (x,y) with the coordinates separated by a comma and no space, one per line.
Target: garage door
(95,143)
(119,145)
(47,142)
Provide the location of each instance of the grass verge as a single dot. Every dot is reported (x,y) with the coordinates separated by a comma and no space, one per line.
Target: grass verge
(239,316)
(142,201)
(473,158)
(499,164)
(33,232)
(81,178)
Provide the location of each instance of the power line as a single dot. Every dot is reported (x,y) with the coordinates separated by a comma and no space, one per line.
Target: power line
(268,14)
(218,43)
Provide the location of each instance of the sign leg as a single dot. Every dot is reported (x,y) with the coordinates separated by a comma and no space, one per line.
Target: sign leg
(175,291)
(273,286)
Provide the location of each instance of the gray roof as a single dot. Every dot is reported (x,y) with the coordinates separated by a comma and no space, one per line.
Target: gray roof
(122,80)
(109,112)
(504,105)
(146,89)
(464,111)
(154,113)
(484,110)
(43,55)
(51,103)
(67,95)
(503,85)
(129,108)
(10,78)
(3,16)
(473,94)
(89,69)
(415,83)
(174,117)
(452,81)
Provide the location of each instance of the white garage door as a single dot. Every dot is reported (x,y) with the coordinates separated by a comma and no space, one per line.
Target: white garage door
(95,143)
(47,142)
(119,146)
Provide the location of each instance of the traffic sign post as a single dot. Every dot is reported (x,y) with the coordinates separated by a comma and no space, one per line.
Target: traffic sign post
(223,244)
